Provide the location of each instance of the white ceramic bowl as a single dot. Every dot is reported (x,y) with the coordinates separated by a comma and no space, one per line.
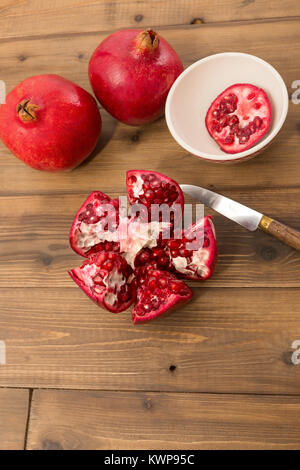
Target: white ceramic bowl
(196,88)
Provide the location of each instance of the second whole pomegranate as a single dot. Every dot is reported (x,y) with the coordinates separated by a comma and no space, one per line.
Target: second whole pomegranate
(131,73)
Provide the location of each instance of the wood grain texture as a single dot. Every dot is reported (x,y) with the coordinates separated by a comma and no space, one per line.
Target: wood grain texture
(116,420)
(224,340)
(13,417)
(17,18)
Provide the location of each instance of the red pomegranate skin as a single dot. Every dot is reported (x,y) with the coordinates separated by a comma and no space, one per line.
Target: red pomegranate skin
(58,128)
(131,73)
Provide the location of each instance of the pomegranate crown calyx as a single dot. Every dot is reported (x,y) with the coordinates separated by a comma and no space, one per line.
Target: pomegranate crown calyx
(147,40)
(26,111)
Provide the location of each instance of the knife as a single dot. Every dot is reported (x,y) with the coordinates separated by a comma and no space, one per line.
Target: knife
(243,215)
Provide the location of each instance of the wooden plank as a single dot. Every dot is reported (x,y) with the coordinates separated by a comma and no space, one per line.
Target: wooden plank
(35,248)
(13,417)
(19,18)
(122,147)
(225,340)
(130,420)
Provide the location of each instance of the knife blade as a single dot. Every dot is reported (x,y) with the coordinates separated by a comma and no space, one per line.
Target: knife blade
(243,215)
(233,210)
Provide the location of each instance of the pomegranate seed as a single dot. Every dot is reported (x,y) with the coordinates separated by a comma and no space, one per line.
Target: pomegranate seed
(98,280)
(243,139)
(174,253)
(162,282)
(81,216)
(233,120)
(233,97)
(258,122)
(132,179)
(155,304)
(157,252)
(250,96)
(224,121)
(175,287)
(144,257)
(245,118)
(230,107)
(149,195)
(163,261)
(158,192)
(94,219)
(252,127)
(124,296)
(229,139)
(152,178)
(108,265)
(246,131)
(154,183)
(152,284)
(173,244)
(216,114)
(173,196)
(257,105)
(183,252)
(206,242)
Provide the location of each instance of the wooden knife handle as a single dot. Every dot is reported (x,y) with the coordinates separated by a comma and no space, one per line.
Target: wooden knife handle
(285,234)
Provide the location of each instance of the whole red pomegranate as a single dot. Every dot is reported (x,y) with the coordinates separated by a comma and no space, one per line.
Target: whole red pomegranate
(50,123)
(131,73)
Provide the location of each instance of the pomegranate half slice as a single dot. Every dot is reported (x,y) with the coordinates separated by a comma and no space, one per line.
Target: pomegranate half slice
(159,292)
(239,117)
(195,254)
(150,187)
(107,279)
(95,224)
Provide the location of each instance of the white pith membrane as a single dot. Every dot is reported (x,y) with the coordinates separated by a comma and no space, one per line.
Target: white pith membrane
(113,281)
(138,186)
(199,257)
(134,236)
(246,113)
(89,235)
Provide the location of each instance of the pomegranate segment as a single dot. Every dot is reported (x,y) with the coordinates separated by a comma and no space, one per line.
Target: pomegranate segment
(239,117)
(194,255)
(108,280)
(158,293)
(151,187)
(95,224)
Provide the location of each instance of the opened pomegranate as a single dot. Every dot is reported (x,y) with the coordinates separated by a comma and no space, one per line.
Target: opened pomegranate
(239,117)
(131,73)
(50,123)
(95,224)
(194,255)
(108,280)
(125,252)
(158,293)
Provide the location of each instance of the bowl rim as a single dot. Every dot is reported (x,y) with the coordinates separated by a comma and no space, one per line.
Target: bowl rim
(240,155)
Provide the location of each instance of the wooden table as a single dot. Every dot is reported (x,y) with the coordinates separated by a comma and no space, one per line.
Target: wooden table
(216,374)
